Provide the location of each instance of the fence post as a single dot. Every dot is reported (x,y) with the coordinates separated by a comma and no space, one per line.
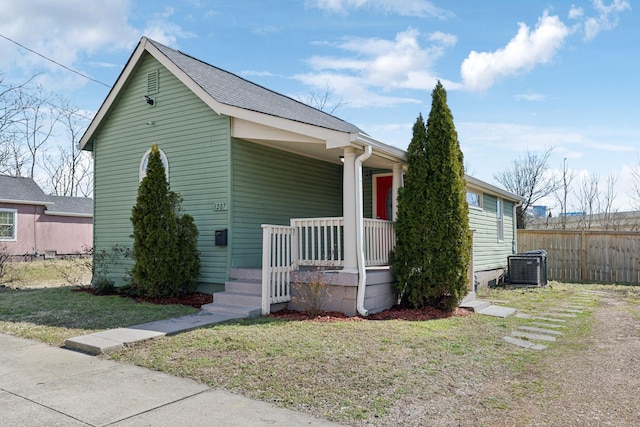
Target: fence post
(266,264)
(583,256)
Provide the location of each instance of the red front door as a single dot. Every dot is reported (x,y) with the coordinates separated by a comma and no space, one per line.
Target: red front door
(384,197)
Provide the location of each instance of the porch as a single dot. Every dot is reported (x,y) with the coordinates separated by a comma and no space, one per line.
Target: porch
(312,249)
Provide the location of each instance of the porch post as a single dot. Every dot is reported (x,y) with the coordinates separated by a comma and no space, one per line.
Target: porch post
(349,209)
(395,187)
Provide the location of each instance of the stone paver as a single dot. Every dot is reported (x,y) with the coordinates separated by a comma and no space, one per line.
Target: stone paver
(524,343)
(557,314)
(531,336)
(540,330)
(548,325)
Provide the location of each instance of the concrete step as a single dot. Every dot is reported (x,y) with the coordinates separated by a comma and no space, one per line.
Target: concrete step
(244,310)
(244,286)
(475,305)
(245,274)
(238,298)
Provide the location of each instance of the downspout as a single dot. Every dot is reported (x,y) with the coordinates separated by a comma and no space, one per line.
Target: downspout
(362,271)
(514,248)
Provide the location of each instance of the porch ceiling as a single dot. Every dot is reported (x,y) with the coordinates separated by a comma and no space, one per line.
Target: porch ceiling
(300,144)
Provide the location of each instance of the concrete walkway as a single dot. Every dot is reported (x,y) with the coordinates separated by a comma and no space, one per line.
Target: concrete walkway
(42,385)
(114,339)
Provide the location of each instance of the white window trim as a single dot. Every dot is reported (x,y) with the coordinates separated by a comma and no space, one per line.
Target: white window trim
(15,225)
(480,199)
(500,218)
(143,171)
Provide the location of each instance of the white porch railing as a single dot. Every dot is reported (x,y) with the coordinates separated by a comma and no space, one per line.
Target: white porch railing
(314,242)
(277,264)
(319,241)
(379,239)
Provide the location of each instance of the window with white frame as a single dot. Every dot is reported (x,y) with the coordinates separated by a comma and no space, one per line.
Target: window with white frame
(499,219)
(145,161)
(474,199)
(8,225)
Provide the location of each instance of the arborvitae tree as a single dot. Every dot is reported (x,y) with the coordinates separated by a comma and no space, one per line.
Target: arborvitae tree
(433,246)
(409,257)
(161,238)
(188,262)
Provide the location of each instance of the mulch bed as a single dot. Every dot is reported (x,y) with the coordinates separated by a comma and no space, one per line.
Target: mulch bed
(394,313)
(198,299)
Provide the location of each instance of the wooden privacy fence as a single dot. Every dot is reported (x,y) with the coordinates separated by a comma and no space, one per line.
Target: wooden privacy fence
(586,256)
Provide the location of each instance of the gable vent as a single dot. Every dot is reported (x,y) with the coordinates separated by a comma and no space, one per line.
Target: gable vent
(152,82)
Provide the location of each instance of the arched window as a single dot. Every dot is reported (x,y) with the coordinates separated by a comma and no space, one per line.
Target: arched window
(145,160)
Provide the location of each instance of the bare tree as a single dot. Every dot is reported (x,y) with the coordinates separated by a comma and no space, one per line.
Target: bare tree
(528,177)
(564,189)
(323,100)
(69,169)
(587,196)
(12,103)
(595,204)
(36,123)
(635,191)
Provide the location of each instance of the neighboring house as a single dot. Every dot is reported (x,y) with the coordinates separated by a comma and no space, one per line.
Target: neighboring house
(34,224)
(242,157)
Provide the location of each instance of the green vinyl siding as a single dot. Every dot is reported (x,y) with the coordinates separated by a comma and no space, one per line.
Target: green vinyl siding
(271,187)
(488,252)
(196,142)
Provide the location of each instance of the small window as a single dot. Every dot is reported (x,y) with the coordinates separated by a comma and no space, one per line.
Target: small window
(499,219)
(8,225)
(145,161)
(474,199)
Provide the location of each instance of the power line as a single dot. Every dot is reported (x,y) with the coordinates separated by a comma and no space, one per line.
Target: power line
(55,62)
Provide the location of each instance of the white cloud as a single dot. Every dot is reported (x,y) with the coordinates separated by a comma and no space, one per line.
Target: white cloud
(374,64)
(65,29)
(480,70)
(531,96)
(607,18)
(266,30)
(420,8)
(255,73)
(162,30)
(352,90)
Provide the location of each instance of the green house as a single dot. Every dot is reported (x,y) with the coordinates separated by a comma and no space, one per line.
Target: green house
(278,189)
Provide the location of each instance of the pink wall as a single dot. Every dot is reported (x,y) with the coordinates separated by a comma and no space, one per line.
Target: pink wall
(38,232)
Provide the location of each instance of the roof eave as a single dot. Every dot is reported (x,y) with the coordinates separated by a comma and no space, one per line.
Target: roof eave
(25,202)
(475,182)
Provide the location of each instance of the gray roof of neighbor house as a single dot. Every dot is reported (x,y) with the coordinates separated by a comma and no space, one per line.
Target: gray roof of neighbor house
(230,89)
(21,190)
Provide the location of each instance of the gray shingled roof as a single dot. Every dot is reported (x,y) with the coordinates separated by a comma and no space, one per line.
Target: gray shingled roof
(71,205)
(20,189)
(230,89)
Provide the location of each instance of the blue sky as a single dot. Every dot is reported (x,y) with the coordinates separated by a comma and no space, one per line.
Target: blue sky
(519,75)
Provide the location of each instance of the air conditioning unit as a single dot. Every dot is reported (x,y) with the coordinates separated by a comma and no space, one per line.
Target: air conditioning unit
(527,270)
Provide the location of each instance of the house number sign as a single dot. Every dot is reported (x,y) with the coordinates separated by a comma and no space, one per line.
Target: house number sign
(220,206)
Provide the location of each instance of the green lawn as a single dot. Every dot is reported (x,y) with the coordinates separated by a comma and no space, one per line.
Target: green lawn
(35,305)
(360,372)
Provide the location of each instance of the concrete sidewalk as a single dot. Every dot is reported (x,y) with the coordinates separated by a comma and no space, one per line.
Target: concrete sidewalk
(42,385)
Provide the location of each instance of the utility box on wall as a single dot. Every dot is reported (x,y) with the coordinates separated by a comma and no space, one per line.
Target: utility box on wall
(221,237)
